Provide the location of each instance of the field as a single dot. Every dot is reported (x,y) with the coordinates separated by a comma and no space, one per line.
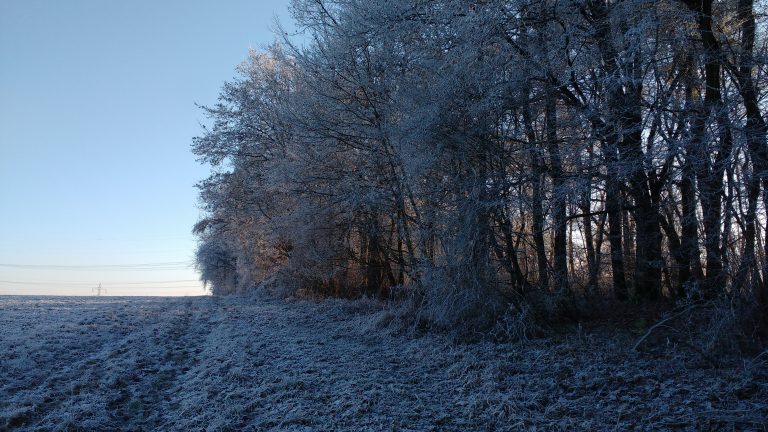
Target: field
(260,364)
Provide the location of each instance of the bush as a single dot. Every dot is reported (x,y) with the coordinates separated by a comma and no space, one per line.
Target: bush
(217,266)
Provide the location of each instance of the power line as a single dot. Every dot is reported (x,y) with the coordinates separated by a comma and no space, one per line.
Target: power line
(105,283)
(100,266)
(158,287)
(168,266)
(127,288)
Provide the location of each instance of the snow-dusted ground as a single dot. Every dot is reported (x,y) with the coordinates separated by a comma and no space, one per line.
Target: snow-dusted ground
(259,364)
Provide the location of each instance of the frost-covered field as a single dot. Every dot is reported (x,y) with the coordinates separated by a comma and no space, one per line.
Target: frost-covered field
(260,364)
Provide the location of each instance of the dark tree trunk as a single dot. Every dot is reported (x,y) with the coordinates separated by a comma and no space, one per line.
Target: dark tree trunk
(559,213)
(710,179)
(624,97)
(592,258)
(613,207)
(538,200)
(756,128)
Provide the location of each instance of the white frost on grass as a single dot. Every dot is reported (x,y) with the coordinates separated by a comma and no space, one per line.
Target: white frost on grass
(267,365)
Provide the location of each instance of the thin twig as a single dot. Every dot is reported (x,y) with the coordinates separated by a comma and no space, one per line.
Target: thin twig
(662,322)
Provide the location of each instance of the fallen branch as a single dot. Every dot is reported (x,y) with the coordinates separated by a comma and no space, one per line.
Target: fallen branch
(663,322)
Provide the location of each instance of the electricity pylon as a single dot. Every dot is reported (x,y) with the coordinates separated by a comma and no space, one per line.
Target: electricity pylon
(98,290)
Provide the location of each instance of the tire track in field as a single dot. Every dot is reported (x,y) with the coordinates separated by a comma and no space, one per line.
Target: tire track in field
(118,379)
(145,395)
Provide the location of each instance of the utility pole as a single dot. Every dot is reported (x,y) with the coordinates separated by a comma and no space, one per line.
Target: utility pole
(98,290)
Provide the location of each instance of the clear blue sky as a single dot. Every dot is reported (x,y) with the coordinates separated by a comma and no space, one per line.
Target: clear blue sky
(97,112)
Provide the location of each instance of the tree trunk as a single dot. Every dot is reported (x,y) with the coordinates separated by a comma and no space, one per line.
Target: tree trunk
(756,128)
(537,200)
(559,213)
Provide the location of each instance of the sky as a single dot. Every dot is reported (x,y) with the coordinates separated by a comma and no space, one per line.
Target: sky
(97,113)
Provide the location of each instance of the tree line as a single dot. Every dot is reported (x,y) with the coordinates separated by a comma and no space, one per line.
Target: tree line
(479,153)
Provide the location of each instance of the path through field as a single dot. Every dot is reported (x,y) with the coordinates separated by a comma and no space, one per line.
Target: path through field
(267,365)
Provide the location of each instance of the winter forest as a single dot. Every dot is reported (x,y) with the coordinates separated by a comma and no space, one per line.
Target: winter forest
(498,159)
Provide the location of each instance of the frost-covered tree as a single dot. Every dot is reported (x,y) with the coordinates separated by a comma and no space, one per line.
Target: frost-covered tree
(482,153)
